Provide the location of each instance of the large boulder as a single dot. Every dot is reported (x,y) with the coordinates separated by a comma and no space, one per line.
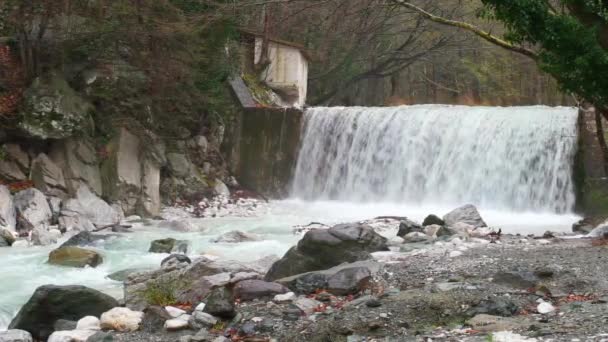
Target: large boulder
(431,220)
(15,335)
(348,278)
(48,177)
(256,289)
(74,257)
(220,303)
(78,160)
(88,206)
(168,245)
(50,303)
(33,210)
(121,319)
(407,226)
(324,248)
(53,110)
(42,236)
(8,215)
(466,214)
(10,171)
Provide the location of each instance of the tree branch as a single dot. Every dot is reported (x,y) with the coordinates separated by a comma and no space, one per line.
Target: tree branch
(471,28)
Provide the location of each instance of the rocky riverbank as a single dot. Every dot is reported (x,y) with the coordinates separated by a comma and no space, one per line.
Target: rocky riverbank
(449,278)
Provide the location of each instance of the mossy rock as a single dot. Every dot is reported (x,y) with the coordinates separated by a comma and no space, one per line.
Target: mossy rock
(74,257)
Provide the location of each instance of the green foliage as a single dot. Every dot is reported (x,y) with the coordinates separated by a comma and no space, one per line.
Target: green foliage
(160,294)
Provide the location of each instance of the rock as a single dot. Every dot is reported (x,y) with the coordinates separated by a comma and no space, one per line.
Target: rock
(545,308)
(168,245)
(71,336)
(284,298)
(10,171)
(463,228)
(65,324)
(178,225)
(20,243)
(121,319)
(180,165)
(201,143)
(600,231)
(8,236)
(174,260)
(154,319)
(221,189)
(489,323)
(77,157)
(100,336)
(220,303)
(42,236)
(70,221)
(431,220)
(415,237)
(53,110)
(406,227)
(467,214)
(15,153)
(123,274)
(236,236)
(306,305)
(497,306)
(50,303)
(257,289)
(201,320)
(517,280)
(15,335)
(8,215)
(84,238)
(74,257)
(340,280)
(48,177)
(373,303)
(322,249)
(91,207)
(174,312)
(32,209)
(88,323)
(179,323)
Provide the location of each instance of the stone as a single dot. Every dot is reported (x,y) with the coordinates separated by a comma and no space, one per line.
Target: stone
(88,323)
(339,280)
(123,274)
(89,206)
(431,220)
(74,257)
(221,189)
(236,236)
(174,312)
(121,319)
(77,157)
(8,236)
(306,305)
(202,320)
(42,236)
(65,324)
(518,280)
(496,306)
(100,336)
(179,164)
(168,245)
(154,319)
(10,171)
(71,221)
(600,231)
(53,110)
(15,153)
(373,303)
(406,227)
(489,323)
(324,248)
(15,335)
(8,214)
(179,323)
(467,214)
(48,177)
(71,336)
(415,237)
(21,243)
(84,238)
(284,298)
(178,225)
(257,289)
(32,209)
(174,260)
(220,303)
(545,308)
(50,303)
(463,228)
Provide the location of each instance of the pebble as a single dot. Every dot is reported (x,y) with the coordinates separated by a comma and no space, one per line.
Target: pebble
(284,298)
(544,308)
(373,303)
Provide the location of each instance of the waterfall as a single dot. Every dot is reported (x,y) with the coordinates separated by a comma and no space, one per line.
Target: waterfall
(504,158)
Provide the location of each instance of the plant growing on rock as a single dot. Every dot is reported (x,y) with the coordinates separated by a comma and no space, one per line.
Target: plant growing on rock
(160,294)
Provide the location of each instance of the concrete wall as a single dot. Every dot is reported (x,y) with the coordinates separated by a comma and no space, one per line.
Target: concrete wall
(590,178)
(263,149)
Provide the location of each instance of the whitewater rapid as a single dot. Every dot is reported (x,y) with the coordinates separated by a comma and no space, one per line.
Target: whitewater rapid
(499,158)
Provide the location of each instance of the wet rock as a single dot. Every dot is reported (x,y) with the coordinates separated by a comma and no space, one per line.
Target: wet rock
(50,303)
(32,209)
(339,280)
(406,227)
(175,260)
(220,303)
(322,249)
(168,245)
(15,335)
(121,319)
(257,289)
(433,219)
(87,205)
(84,238)
(74,257)
(201,320)
(8,218)
(466,214)
(236,236)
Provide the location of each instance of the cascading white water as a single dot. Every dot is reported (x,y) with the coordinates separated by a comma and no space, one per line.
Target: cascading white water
(505,158)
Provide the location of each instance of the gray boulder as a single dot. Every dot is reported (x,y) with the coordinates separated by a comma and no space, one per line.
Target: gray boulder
(78,160)
(433,219)
(15,153)
(15,335)
(33,210)
(407,226)
(201,320)
(10,171)
(50,303)
(7,236)
(348,278)
(256,289)
(89,206)
(48,177)
(8,218)
(220,303)
(175,260)
(324,248)
(42,236)
(169,245)
(466,214)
